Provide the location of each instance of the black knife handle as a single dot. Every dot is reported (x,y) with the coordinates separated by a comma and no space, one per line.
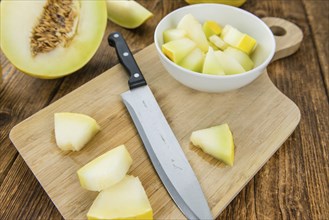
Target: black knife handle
(127,60)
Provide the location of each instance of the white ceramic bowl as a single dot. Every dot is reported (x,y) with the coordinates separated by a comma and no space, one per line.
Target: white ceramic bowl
(223,14)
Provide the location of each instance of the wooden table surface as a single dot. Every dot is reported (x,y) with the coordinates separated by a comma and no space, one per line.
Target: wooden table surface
(293,184)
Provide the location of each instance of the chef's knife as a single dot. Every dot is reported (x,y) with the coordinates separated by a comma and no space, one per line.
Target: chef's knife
(160,142)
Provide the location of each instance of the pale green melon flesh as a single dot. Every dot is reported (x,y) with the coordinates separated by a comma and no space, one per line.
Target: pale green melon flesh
(194,31)
(128,14)
(173,34)
(245,61)
(18,18)
(211,64)
(176,50)
(229,64)
(125,200)
(105,170)
(193,61)
(84,127)
(216,141)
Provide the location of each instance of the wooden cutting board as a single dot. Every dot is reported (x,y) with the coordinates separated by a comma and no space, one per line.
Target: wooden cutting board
(259,115)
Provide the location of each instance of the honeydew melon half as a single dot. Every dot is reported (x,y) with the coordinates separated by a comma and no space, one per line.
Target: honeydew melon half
(51,38)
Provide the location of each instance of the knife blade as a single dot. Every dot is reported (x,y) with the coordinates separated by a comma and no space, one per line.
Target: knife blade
(160,142)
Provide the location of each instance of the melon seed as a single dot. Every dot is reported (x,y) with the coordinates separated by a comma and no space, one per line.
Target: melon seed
(56,26)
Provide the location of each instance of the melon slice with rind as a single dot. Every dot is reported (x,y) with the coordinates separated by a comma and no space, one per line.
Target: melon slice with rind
(211,64)
(176,50)
(245,61)
(194,31)
(173,34)
(239,40)
(127,13)
(193,61)
(106,170)
(125,200)
(211,28)
(216,141)
(74,130)
(228,63)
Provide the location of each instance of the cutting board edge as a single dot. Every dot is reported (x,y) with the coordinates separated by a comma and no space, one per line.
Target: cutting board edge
(218,208)
(13,134)
(12,131)
(222,207)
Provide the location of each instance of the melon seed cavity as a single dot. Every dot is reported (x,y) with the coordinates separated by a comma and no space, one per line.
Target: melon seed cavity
(56,26)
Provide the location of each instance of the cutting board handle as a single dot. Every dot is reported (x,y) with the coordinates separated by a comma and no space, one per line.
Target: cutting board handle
(288,36)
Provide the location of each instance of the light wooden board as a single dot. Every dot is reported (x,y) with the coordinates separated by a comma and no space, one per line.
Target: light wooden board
(260,117)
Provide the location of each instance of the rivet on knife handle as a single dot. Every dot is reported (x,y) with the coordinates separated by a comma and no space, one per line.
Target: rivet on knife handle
(127,60)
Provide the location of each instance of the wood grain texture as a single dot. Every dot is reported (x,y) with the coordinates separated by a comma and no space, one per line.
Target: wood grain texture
(22,192)
(17,105)
(292,184)
(280,189)
(257,136)
(320,34)
(306,202)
